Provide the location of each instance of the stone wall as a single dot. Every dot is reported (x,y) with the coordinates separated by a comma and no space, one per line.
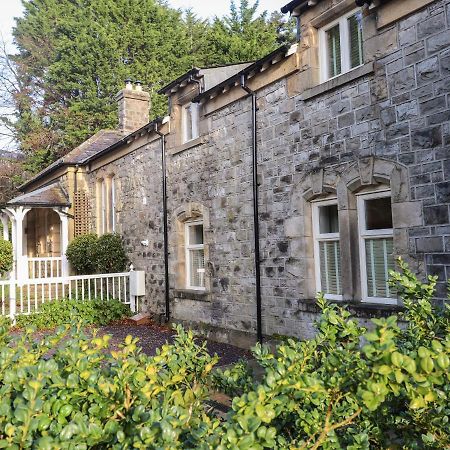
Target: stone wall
(394,114)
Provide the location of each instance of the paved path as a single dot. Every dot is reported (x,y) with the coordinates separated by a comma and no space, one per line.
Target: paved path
(152,336)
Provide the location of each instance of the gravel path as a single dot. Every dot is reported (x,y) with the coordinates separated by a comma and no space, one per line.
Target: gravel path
(152,336)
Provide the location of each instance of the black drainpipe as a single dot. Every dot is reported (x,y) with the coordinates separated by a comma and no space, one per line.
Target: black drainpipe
(165,234)
(255,209)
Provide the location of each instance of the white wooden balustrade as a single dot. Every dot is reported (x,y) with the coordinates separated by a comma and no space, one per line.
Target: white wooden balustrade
(45,267)
(25,297)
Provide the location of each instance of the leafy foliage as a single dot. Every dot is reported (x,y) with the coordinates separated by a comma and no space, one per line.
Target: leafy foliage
(110,254)
(82,253)
(62,312)
(74,56)
(6,257)
(346,388)
(91,254)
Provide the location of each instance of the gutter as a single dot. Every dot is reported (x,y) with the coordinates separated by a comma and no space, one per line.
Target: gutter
(252,93)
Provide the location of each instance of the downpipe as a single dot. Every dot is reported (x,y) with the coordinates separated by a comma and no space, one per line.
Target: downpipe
(166,314)
(252,93)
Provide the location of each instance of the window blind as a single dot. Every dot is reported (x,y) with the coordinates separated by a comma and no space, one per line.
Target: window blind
(197,267)
(330,267)
(334,51)
(379,260)
(356,42)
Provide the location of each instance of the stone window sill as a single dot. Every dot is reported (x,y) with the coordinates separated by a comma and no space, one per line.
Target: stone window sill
(187,145)
(334,83)
(190,294)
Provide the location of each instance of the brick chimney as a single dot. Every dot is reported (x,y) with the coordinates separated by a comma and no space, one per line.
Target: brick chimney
(134,106)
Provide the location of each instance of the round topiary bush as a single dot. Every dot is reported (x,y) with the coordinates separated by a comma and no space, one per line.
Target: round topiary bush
(6,257)
(82,254)
(110,254)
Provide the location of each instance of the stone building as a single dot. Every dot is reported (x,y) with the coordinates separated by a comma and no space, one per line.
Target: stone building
(339,143)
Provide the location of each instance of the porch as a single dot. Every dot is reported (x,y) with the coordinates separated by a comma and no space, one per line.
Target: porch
(37,225)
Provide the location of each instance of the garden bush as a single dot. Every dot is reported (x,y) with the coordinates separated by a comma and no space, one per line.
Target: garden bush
(6,257)
(111,256)
(82,253)
(90,254)
(61,312)
(348,388)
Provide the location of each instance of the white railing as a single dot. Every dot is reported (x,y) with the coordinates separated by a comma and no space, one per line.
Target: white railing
(50,267)
(26,297)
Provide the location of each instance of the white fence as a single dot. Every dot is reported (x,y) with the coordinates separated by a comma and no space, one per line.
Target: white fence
(26,297)
(45,267)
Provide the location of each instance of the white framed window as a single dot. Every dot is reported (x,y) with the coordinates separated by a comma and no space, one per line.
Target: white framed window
(376,246)
(112,202)
(341,45)
(190,121)
(195,255)
(102,207)
(327,251)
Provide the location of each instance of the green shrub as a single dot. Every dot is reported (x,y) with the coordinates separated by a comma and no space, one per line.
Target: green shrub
(82,253)
(6,257)
(110,254)
(348,388)
(61,312)
(91,254)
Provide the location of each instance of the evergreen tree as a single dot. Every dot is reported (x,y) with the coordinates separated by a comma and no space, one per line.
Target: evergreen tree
(74,55)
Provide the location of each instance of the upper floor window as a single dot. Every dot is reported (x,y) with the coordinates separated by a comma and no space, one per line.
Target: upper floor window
(327,252)
(190,121)
(195,255)
(341,45)
(376,246)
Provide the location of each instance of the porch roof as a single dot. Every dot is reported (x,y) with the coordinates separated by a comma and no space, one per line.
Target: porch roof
(45,197)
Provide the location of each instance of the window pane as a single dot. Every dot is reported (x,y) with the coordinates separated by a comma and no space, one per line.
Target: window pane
(334,51)
(196,234)
(356,43)
(328,219)
(380,259)
(330,267)
(197,268)
(188,123)
(378,213)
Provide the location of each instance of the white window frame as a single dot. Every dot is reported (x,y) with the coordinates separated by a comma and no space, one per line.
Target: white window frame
(345,46)
(320,237)
(365,234)
(189,247)
(102,205)
(192,109)
(113,203)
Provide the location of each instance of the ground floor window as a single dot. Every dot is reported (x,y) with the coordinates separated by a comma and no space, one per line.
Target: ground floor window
(327,253)
(376,246)
(195,255)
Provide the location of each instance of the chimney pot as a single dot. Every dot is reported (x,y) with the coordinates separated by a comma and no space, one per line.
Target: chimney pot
(128,84)
(138,85)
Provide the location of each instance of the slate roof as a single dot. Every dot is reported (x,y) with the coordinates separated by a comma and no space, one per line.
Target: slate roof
(89,148)
(45,197)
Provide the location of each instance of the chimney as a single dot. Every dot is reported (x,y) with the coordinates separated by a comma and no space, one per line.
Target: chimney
(134,106)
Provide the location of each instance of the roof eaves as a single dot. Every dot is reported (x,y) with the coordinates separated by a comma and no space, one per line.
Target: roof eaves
(294,4)
(56,165)
(256,67)
(124,140)
(175,83)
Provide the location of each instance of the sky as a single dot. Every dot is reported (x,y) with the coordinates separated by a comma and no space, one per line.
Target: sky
(13,8)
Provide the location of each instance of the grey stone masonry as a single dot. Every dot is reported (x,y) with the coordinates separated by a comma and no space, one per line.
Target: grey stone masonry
(388,127)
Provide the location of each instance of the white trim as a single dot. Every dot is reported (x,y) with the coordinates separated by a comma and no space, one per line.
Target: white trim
(364,234)
(113,203)
(322,237)
(188,248)
(102,205)
(191,109)
(345,47)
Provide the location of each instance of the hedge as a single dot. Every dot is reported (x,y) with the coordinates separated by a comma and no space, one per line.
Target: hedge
(348,388)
